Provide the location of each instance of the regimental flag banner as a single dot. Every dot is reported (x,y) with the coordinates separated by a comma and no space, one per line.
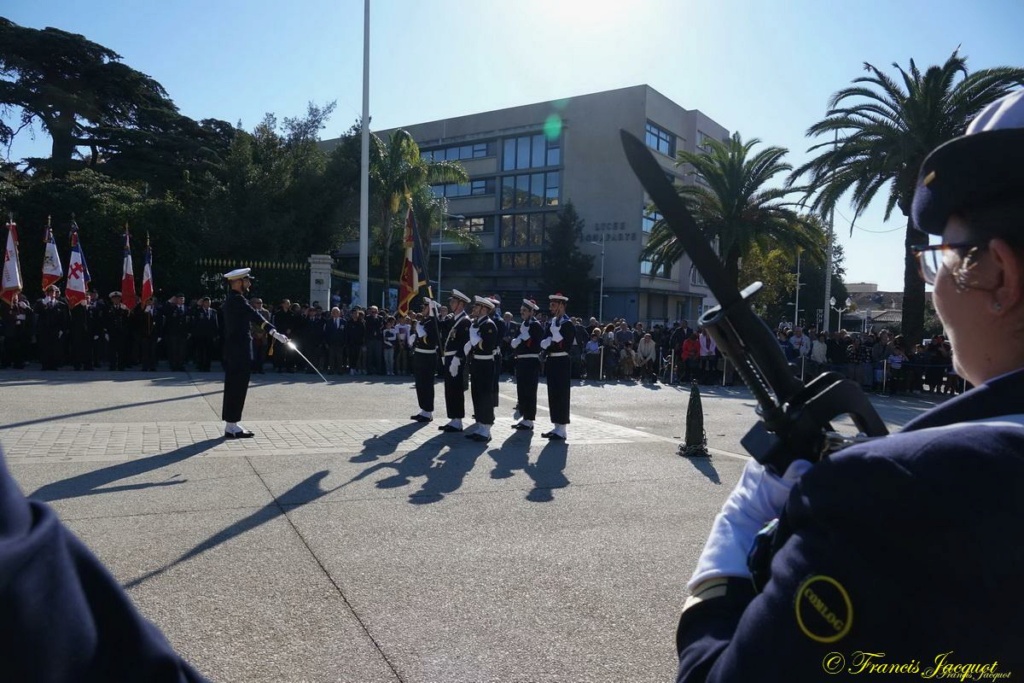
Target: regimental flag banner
(78,272)
(147,273)
(127,275)
(52,270)
(414,272)
(12,284)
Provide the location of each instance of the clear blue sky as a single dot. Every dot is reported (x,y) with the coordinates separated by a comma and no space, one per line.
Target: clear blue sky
(765,69)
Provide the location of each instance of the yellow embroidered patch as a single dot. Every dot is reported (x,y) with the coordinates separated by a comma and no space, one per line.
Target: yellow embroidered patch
(824,611)
(928,178)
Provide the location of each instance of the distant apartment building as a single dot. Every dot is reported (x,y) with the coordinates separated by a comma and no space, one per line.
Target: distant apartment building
(525,163)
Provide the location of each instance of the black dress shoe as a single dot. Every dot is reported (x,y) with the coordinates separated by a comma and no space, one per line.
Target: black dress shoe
(244,434)
(547,435)
(449,428)
(522,427)
(555,437)
(478,437)
(421,418)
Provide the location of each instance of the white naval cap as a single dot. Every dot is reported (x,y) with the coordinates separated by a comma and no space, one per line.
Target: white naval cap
(558,296)
(483,301)
(456,294)
(238,274)
(531,304)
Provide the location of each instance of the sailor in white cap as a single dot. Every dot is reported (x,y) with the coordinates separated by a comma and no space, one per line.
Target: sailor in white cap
(526,347)
(423,338)
(238,315)
(561,334)
(454,363)
(483,339)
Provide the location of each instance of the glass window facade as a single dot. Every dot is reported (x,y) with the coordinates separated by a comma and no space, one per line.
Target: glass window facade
(477,150)
(524,260)
(530,190)
(659,139)
(474,188)
(530,151)
(647,268)
(525,230)
(649,219)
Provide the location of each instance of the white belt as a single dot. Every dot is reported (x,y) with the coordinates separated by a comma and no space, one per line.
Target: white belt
(528,355)
(558,353)
(449,353)
(419,350)
(487,358)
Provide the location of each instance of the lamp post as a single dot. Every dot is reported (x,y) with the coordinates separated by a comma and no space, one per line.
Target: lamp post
(600,294)
(841,310)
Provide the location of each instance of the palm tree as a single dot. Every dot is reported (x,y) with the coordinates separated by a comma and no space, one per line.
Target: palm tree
(397,172)
(879,131)
(733,207)
(433,221)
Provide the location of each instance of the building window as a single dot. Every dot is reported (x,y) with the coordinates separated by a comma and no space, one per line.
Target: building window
(659,139)
(649,219)
(647,268)
(530,151)
(702,141)
(529,260)
(532,190)
(524,229)
(477,150)
(476,224)
(474,188)
(696,278)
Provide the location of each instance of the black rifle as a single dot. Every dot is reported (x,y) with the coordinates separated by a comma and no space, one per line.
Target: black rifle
(795,418)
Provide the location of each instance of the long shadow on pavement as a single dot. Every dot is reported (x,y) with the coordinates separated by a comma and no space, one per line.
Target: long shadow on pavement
(548,473)
(707,468)
(306,491)
(379,445)
(105,409)
(92,483)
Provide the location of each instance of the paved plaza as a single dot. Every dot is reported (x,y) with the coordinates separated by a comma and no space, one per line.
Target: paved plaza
(346,543)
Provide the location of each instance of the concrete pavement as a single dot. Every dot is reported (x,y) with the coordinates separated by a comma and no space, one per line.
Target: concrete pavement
(346,543)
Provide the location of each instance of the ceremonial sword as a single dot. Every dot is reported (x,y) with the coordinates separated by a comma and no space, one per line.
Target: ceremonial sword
(291,345)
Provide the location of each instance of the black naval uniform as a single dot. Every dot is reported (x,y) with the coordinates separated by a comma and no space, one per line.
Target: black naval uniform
(424,362)
(482,388)
(527,354)
(81,337)
(115,324)
(205,335)
(921,531)
(455,387)
(557,369)
(238,315)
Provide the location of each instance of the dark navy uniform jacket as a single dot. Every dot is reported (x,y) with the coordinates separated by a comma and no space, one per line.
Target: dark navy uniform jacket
(911,545)
(63,617)
(238,316)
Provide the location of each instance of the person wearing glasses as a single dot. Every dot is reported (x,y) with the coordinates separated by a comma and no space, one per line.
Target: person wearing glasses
(902,554)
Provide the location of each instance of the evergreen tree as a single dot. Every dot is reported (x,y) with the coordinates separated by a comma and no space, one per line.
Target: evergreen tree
(566,269)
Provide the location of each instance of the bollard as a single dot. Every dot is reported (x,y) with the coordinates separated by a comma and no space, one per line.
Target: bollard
(695,443)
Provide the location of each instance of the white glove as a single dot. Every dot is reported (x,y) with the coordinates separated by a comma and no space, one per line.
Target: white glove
(107,337)
(467,348)
(524,332)
(420,332)
(474,335)
(453,368)
(60,334)
(95,337)
(279,337)
(556,333)
(758,498)
(516,342)
(545,342)
(411,340)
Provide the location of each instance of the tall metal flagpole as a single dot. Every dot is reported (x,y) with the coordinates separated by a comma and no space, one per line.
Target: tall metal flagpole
(828,259)
(364,167)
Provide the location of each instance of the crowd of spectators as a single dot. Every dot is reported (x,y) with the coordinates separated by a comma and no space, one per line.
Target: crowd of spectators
(103,332)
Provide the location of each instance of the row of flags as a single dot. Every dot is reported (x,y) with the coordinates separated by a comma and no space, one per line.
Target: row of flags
(78,277)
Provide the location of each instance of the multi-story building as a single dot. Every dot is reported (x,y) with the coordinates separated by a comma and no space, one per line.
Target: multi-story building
(525,163)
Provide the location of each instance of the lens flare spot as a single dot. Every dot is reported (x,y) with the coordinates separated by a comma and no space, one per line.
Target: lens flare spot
(553,127)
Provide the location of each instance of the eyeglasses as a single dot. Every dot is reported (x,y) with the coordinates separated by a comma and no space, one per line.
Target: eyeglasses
(931,257)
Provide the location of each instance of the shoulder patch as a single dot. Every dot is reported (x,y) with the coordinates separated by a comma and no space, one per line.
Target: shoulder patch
(824,611)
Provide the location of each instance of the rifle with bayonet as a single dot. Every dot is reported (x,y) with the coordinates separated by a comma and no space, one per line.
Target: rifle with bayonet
(795,417)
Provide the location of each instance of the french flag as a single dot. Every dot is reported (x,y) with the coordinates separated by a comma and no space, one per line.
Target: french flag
(147,273)
(78,272)
(127,275)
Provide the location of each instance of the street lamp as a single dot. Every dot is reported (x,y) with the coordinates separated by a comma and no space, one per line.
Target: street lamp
(840,311)
(440,246)
(600,301)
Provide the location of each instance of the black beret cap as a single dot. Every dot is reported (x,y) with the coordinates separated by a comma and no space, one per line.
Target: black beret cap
(979,168)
